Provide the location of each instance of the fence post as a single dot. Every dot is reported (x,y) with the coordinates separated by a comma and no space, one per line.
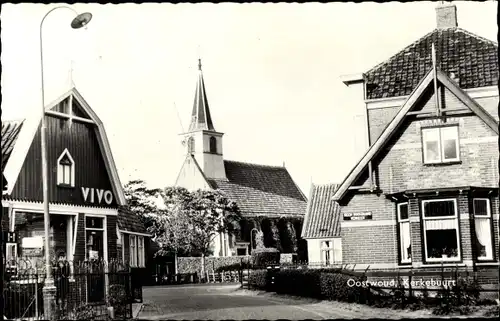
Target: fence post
(36,292)
(410,293)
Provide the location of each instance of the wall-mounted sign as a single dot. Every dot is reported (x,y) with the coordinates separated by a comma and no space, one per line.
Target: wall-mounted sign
(357,216)
(9,237)
(94,195)
(34,242)
(31,252)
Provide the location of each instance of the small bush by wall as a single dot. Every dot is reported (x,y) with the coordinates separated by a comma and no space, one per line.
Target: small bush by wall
(265,256)
(188,265)
(257,279)
(217,264)
(299,282)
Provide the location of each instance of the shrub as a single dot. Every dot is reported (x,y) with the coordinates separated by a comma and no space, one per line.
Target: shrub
(257,279)
(233,267)
(334,286)
(459,298)
(265,256)
(299,282)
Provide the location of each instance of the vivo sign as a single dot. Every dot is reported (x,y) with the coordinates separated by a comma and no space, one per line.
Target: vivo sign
(94,195)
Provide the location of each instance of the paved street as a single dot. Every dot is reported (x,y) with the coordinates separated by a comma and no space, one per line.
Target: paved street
(215,302)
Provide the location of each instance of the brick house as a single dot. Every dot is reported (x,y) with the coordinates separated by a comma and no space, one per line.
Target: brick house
(267,196)
(322,227)
(425,194)
(85,194)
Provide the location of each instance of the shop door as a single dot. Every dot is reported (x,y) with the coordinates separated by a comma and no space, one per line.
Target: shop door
(95,256)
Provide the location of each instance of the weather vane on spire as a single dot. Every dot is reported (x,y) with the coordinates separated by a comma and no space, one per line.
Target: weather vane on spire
(199,63)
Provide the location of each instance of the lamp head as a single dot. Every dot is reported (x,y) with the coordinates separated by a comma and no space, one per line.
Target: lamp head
(81,20)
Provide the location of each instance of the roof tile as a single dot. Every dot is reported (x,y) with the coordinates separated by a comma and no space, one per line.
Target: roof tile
(10,132)
(323,215)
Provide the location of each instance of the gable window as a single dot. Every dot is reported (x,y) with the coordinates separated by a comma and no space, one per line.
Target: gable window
(191,145)
(404,233)
(65,169)
(331,252)
(440,224)
(213,145)
(137,257)
(440,145)
(482,222)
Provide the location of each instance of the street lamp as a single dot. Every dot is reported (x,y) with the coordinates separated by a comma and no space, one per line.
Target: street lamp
(79,21)
(251,237)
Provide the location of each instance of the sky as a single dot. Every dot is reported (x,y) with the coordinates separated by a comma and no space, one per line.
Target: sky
(272,75)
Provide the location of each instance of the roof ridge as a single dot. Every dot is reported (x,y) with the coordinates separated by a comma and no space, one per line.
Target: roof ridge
(254,164)
(477,36)
(413,44)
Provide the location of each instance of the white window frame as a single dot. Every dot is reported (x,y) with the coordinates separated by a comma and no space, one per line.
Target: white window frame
(401,223)
(140,252)
(441,158)
(331,250)
(487,218)
(133,250)
(440,218)
(60,170)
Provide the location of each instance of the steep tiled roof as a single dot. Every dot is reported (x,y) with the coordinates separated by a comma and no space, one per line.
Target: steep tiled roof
(472,59)
(200,117)
(323,215)
(130,222)
(261,190)
(10,132)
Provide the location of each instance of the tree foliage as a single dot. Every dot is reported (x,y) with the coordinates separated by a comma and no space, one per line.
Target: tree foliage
(185,222)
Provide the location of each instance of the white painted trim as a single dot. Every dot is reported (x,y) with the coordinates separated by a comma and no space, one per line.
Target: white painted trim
(352,78)
(59,208)
(27,134)
(464,141)
(464,216)
(414,219)
(76,233)
(72,161)
(323,238)
(369,223)
(447,264)
(135,233)
(488,264)
(69,117)
(386,103)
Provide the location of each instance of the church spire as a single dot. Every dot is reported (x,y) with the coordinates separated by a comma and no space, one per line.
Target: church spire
(200,117)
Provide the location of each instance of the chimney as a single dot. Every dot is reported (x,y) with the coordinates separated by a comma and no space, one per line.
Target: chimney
(446,15)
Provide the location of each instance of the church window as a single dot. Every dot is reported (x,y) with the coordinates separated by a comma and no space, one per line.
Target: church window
(213,145)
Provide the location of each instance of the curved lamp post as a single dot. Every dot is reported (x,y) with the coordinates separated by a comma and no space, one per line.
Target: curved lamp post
(79,21)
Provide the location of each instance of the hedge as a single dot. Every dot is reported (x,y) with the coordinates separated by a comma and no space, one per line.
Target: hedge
(262,257)
(257,279)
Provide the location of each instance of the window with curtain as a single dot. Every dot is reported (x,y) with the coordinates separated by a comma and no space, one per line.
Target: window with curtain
(440,225)
(440,144)
(331,252)
(140,246)
(133,251)
(482,222)
(404,233)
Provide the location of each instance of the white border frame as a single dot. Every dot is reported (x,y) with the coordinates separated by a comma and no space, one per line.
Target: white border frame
(457,226)
(441,160)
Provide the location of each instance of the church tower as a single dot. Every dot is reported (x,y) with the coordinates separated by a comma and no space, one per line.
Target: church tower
(202,140)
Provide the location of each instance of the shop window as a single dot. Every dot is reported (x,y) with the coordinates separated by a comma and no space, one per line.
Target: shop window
(440,226)
(65,170)
(482,222)
(404,233)
(440,145)
(331,252)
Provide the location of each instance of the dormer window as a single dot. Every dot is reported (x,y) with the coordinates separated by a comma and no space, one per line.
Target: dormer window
(440,145)
(65,170)
(213,145)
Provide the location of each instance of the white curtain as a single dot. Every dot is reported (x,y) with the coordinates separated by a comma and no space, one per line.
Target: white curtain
(405,240)
(440,224)
(483,232)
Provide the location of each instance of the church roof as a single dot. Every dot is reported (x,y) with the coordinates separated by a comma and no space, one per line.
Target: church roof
(261,190)
(472,59)
(323,215)
(200,117)
(128,221)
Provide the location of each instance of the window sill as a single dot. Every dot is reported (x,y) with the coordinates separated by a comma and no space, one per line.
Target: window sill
(443,163)
(444,264)
(487,262)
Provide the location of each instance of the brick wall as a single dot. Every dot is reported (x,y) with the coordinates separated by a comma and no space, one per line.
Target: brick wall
(111,221)
(400,167)
(80,239)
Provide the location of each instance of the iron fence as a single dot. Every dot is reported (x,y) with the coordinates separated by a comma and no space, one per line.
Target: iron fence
(84,290)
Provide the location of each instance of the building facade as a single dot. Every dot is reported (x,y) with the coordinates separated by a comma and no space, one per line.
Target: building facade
(87,222)
(425,194)
(267,196)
